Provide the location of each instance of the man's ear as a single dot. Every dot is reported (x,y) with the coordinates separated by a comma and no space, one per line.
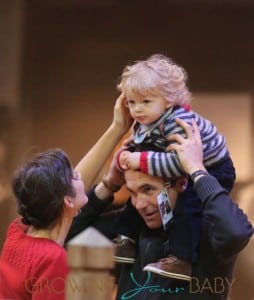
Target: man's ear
(68,201)
(181,184)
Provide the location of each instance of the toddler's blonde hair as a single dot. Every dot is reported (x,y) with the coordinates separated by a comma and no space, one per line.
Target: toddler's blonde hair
(156,76)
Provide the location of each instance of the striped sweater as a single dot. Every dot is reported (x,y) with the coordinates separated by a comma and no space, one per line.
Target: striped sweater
(167,164)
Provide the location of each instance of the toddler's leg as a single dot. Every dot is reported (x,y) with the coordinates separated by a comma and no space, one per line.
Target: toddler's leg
(225,173)
(127,228)
(181,249)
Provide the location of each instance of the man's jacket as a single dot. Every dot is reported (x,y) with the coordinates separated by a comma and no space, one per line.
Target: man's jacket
(225,231)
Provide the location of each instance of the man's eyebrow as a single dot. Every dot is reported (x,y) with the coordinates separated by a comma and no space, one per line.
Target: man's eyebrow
(145,185)
(141,187)
(129,189)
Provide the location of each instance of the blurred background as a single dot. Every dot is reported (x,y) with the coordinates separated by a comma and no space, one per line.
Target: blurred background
(60,61)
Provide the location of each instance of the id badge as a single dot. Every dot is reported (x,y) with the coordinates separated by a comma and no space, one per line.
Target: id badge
(165,208)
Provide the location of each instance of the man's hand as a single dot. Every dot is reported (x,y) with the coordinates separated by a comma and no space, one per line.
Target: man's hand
(189,149)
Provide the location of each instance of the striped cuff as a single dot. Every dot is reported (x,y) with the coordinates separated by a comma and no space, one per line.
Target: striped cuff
(207,185)
(118,166)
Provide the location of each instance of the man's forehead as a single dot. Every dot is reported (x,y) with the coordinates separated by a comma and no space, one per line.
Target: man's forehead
(139,178)
(131,174)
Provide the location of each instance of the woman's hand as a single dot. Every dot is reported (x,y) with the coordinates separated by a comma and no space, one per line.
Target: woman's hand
(115,174)
(91,164)
(122,118)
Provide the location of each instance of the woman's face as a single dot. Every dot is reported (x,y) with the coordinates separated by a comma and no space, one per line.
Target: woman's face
(80,198)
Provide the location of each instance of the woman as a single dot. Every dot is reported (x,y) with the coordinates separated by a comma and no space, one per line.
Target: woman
(49,195)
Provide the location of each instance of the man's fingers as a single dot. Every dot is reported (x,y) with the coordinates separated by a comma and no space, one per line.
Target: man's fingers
(176,138)
(195,128)
(173,147)
(187,128)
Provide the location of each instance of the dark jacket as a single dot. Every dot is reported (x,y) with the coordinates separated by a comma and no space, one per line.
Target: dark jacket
(89,215)
(225,231)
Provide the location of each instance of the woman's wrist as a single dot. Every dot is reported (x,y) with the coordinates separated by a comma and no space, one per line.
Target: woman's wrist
(114,132)
(102,192)
(109,184)
(117,130)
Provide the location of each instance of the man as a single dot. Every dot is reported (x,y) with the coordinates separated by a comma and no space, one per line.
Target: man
(225,232)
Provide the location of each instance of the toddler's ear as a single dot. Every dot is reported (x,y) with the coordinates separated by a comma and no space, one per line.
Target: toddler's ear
(169,102)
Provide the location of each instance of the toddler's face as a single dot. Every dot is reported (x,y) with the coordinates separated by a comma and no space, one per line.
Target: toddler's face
(146,109)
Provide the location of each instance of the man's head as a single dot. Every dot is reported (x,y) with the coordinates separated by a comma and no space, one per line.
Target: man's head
(144,191)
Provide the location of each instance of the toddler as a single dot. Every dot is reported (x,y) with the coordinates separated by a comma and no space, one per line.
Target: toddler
(157,94)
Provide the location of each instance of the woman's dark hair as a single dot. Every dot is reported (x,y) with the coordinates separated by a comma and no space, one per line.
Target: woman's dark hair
(40,186)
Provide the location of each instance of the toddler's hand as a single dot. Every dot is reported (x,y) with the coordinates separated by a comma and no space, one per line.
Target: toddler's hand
(129,160)
(134,160)
(124,160)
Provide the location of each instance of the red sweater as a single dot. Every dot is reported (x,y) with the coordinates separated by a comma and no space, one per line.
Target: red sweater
(31,268)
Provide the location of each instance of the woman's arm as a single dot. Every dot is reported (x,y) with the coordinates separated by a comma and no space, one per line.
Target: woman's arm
(99,198)
(91,164)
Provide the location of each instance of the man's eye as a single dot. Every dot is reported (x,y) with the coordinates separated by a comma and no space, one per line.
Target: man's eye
(132,194)
(147,101)
(147,189)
